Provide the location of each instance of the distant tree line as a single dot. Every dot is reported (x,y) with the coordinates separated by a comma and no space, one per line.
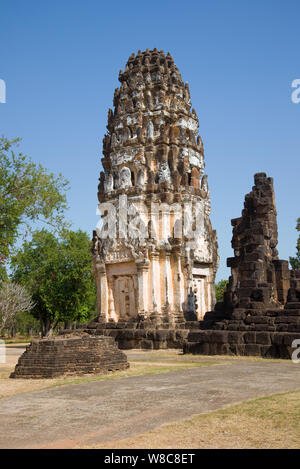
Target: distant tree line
(47,282)
(45,272)
(220,289)
(295,261)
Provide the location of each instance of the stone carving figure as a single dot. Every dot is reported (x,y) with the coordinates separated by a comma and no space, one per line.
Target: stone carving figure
(139,81)
(164,174)
(140,177)
(149,99)
(200,143)
(125,135)
(163,132)
(191,301)
(106,142)
(139,134)
(204,185)
(114,140)
(150,130)
(148,78)
(109,182)
(176,179)
(124,177)
(151,177)
(101,183)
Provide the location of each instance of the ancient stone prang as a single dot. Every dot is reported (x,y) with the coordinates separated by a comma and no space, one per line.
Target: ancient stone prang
(158,262)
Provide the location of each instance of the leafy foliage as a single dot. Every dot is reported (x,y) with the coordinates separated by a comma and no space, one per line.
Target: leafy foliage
(57,272)
(220,289)
(295,261)
(26,325)
(28,193)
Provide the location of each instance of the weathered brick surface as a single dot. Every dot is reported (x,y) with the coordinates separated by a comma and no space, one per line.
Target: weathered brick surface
(260,314)
(261,344)
(70,355)
(130,336)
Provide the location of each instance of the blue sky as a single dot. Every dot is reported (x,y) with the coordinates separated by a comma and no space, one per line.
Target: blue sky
(60,61)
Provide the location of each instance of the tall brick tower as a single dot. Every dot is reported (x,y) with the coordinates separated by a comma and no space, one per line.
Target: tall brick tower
(155,255)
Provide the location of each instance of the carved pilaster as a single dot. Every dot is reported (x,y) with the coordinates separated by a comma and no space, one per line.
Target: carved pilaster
(178,283)
(102,291)
(142,267)
(111,303)
(155,287)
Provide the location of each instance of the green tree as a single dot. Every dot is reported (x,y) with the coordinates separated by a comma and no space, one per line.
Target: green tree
(295,261)
(26,324)
(220,290)
(57,272)
(28,194)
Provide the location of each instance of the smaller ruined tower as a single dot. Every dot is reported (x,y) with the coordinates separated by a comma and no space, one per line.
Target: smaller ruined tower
(258,278)
(260,314)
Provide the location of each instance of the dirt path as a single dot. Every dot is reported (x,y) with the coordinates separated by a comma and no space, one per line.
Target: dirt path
(95,412)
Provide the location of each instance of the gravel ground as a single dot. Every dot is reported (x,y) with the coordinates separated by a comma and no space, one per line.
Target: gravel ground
(96,412)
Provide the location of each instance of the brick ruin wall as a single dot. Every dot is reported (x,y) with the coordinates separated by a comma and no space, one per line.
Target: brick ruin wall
(260,314)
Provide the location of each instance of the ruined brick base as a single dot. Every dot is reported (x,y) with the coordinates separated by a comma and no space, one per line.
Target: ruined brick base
(263,344)
(267,334)
(141,335)
(70,355)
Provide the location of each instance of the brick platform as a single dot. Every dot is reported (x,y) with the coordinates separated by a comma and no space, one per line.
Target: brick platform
(248,343)
(144,334)
(70,355)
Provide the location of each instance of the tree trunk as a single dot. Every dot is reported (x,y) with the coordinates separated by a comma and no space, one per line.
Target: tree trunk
(46,327)
(50,332)
(51,325)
